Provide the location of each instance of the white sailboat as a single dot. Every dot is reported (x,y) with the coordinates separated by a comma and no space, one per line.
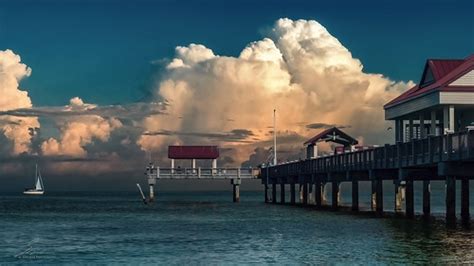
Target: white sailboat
(38,189)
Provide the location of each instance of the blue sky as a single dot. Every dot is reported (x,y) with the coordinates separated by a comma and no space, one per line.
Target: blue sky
(101,50)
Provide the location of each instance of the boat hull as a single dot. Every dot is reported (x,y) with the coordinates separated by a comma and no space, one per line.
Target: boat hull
(33,192)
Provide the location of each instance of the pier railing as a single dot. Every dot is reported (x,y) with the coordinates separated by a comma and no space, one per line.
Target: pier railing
(206,173)
(418,152)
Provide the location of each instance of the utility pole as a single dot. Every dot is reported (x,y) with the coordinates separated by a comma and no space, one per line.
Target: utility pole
(274,138)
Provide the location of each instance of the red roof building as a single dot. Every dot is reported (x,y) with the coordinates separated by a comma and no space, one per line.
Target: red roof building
(193,152)
(329,135)
(441,103)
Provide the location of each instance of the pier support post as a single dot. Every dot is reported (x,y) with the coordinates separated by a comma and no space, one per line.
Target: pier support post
(317,192)
(274,192)
(426,198)
(282,192)
(310,192)
(379,196)
(305,193)
(151,184)
(152,192)
(399,195)
(335,195)
(465,199)
(323,193)
(373,195)
(355,194)
(410,206)
(292,193)
(450,198)
(236,189)
(300,192)
(266,193)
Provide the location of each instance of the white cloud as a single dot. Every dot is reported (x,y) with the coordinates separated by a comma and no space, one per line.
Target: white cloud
(302,70)
(190,55)
(79,131)
(15,129)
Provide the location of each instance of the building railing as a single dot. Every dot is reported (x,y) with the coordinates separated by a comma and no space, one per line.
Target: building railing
(457,146)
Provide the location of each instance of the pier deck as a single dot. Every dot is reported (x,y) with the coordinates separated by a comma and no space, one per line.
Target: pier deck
(447,157)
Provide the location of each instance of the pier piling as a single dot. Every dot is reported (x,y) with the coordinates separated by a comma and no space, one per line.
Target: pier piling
(373,195)
(282,193)
(335,195)
(409,200)
(399,195)
(300,192)
(450,198)
(236,189)
(323,194)
(355,194)
(426,198)
(274,192)
(379,196)
(317,190)
(152,192)
(305,193)
(292,193)
(465,199)
(266,193)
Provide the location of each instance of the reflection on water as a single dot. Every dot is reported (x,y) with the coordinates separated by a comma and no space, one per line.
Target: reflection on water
(207,227)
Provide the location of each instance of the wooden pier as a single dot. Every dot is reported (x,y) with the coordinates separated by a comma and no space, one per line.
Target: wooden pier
(447,157)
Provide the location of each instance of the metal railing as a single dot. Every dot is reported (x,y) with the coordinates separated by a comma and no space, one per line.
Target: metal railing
(206,173)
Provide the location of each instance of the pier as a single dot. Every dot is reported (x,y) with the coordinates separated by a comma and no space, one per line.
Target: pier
(449,158)
(191,154)
(434,140)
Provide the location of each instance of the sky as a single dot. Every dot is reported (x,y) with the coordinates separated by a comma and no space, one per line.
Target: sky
(99,84)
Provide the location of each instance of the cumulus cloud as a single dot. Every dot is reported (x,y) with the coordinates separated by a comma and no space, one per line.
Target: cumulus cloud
(190,56)
(17,130)
(79,131)
(300,69)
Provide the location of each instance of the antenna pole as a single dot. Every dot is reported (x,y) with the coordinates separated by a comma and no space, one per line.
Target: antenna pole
(274,138)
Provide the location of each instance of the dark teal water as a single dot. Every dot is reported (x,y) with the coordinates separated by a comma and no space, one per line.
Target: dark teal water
(207,228)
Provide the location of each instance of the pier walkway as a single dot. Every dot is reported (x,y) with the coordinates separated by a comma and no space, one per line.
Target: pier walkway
(447,157)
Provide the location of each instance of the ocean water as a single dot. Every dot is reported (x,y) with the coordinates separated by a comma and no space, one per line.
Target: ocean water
(207,228)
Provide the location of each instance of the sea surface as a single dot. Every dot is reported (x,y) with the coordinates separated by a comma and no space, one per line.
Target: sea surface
(207,228)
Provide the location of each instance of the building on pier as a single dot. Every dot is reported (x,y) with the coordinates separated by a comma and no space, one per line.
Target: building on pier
(334,135)
(441,103)
(193,153)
